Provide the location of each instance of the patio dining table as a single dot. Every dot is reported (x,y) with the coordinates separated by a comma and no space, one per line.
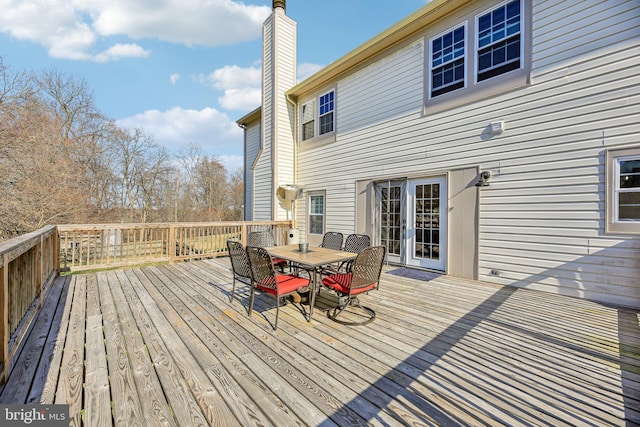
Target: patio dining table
(315,258)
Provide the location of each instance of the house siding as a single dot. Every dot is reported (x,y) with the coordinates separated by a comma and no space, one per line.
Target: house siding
(542,219)
(276,164)
(252,151)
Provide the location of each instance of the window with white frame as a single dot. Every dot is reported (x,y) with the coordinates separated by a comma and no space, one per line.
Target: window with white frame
(499,40)
(623,190)
(448,61)
(308,120)
(482,54)
(327,106)
(321,120)
(316,213)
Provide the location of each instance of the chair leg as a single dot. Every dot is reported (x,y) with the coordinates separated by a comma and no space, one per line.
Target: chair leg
(233,289)
(275,326)
(251,297)
(354,302)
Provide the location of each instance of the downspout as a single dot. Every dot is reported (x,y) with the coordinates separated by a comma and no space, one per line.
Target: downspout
(294,204)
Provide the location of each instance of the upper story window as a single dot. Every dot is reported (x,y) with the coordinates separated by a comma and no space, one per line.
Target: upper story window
(326,112)
(623,190)
(499,40)
(308,120)
(487,51)
(320,121)
(448,62)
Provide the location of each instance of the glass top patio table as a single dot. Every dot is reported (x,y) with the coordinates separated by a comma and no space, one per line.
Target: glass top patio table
(314,257)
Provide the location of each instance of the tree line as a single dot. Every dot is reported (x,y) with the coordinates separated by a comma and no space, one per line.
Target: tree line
(62,162)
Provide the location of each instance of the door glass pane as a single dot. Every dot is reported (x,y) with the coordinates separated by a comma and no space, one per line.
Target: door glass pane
(427,224)
(390,221)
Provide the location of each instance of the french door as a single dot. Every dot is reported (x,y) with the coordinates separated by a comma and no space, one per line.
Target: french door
(412,221)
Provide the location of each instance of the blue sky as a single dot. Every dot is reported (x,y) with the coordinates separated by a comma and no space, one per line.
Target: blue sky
(182,70)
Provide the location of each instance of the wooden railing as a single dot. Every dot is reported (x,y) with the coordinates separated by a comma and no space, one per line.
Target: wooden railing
(87,247)
(29,264)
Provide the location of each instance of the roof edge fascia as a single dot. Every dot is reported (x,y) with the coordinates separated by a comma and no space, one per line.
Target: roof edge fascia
(249,118)
(395,34)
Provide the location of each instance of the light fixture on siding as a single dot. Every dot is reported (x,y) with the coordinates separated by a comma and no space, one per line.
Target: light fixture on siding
(483,180)
(496,128)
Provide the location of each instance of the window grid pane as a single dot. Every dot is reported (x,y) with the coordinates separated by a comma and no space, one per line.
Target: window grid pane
(326,113)
(447,62)
(499,40)
(316,214)
(628,191)
(308,120)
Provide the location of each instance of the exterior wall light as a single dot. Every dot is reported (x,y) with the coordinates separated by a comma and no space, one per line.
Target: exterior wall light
(483,180)
(496,128)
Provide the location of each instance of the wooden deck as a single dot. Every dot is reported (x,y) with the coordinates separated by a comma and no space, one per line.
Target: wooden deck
(164,346)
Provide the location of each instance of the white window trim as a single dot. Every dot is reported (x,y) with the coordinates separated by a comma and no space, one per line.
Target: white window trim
(613,158)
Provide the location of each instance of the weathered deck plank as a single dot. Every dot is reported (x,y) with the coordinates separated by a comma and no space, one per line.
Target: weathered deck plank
(164,346)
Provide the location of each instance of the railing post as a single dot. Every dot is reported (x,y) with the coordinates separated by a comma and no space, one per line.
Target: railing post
(244,233)
(4,318)
(172,243)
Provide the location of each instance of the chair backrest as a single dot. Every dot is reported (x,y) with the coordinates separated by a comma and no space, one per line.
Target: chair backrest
(357,242)
(263,239)
(239,260)
(367,267)
(262,272)
(332,240)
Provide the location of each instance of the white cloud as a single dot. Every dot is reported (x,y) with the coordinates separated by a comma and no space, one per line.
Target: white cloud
(119,51)
(209,128)
(307,70)
(241,86)
(174,78)
(71,28)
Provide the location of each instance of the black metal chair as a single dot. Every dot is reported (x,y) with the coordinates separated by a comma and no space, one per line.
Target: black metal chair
(265,239)
(265,278)
(355,243)
(364,277)
(239,264)
(332,240)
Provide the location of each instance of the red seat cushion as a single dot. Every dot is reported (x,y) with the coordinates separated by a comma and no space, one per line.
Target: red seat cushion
(341,282)
(286,283)
(279,261)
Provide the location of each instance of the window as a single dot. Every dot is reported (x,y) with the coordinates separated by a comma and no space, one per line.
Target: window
(627,190)
(316,214)
(623,190)
(447,62)
(308,120)
(499,40)
(326,113)
(321,120)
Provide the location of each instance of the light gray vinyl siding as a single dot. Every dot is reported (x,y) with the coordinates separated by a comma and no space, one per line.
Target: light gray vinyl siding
(286,78)
(263,171)
(252,150)
(542,219)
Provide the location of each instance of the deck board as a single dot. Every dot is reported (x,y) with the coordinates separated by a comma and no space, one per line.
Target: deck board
(163,345)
